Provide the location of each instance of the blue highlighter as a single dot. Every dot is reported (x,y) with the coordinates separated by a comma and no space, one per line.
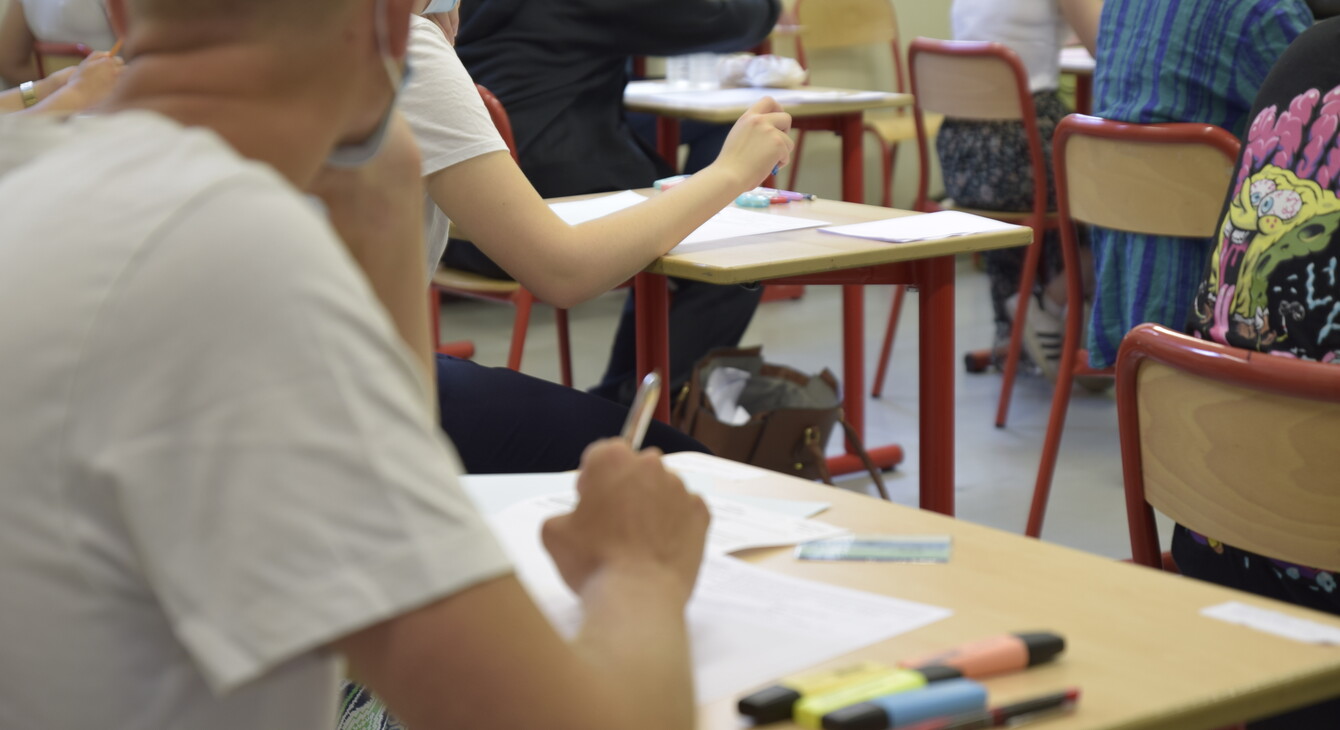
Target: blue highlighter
(939,699)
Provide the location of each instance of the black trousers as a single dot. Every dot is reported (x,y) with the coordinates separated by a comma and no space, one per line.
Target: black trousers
(502,421)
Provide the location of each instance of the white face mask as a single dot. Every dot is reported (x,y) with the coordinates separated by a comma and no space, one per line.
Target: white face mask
(361,153)
(441,6)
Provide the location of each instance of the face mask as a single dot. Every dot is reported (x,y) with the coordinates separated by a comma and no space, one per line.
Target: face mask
(358,154)
(441,6)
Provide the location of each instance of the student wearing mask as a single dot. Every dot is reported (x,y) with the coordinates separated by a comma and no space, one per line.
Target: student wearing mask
(222,473)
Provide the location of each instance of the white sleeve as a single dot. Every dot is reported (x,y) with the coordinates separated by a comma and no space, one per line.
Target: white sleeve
(277,464)
(441,104)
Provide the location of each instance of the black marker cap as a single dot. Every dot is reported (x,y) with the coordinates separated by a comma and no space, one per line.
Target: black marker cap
(769,705)
(863,716)
(1043,646)
(936,673)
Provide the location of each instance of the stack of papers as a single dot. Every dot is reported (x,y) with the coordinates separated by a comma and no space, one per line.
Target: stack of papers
(747,625)
(931,226)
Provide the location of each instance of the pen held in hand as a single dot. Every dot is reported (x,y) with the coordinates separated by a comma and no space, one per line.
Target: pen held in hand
(639,415)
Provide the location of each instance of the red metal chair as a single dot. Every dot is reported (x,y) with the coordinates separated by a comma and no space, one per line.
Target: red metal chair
(1162,179)
(51,57)
(474,286)
(983,81)
(1235,444)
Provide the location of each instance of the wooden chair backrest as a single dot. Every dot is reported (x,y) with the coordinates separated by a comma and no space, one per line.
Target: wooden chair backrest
(845,23)
(1237,445)
(1160,179)
(968,79)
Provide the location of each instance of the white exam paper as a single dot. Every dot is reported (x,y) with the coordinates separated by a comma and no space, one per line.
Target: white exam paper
(719,98)
(930,226)
(747,625)
(1274,622)
(730,222)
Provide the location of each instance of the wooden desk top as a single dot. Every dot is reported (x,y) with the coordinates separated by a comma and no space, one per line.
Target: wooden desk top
(807,251)
(1076,60)
(1137,645)
(724,106)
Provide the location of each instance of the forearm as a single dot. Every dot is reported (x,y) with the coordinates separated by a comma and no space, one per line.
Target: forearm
(494,204)
(636,638)
(47,92)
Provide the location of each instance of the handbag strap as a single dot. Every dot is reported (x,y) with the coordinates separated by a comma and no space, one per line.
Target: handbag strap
(854,439)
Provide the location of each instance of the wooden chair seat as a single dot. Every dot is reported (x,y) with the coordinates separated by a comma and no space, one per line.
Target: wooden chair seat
(893,126)
(459,281)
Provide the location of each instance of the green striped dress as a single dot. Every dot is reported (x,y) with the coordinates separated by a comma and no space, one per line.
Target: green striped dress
(1174,61)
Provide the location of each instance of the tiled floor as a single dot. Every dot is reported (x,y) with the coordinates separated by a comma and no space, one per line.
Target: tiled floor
(996,468)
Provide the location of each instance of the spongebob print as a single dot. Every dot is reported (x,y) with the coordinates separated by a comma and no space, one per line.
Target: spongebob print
(1274,280)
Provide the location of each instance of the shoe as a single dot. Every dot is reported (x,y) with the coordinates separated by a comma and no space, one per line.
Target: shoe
(1043,335)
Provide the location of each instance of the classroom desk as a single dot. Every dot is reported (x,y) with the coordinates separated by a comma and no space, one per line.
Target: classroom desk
(704,105)
(1137,646)
(807,256)
(1076,61)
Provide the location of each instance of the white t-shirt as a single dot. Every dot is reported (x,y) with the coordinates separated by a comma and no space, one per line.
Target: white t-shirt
(1034,29)
(217,455)
(70,21)
(448,118)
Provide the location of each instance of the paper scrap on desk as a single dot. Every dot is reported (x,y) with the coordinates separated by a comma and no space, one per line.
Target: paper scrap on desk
(1275,622)
(941,224)
(581,211)
(747,625)
(733,222)
(879,548)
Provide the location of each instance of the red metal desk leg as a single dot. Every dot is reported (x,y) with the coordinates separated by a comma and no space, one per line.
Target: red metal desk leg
(853,159)
(1084,93)
(667,140)
(652,317)
(936,283)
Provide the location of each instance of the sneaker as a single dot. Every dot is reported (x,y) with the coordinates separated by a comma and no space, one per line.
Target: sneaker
(1044,334)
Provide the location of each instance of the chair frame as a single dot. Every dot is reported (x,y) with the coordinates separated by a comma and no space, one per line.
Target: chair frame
(1039,218)
(1074,358)
(1256,371)
(511,292)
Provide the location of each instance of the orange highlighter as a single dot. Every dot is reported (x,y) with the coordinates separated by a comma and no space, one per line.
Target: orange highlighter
(996,655)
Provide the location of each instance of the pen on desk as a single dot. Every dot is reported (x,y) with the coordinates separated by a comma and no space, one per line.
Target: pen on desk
(948,698)
(1019,713)
(787,194)
(644,405)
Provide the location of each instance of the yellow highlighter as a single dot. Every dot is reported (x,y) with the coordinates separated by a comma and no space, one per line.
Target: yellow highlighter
(809,711)
(777,702)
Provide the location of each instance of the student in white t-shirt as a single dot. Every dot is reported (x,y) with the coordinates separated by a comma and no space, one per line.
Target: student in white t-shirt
(492,414)
(53,21)
(221,472)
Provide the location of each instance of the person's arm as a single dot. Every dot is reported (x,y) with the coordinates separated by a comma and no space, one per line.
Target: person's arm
(377,211)
(16,46)
(1083,16)
(486,658)
(493,202)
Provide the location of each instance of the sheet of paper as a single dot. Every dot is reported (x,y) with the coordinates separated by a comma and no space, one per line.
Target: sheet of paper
(941,224)
(694,465)
(581,211)
(493,493)
(734,221)
(730,222)
(1274,622)
(747,625)
(662,92)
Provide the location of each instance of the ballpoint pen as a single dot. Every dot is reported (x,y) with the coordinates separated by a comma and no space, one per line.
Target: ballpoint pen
(639,415)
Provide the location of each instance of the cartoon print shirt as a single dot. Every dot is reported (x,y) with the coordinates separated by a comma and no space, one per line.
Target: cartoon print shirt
(1273,282)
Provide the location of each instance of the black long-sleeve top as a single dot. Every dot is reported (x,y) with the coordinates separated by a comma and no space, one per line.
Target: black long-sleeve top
(560,67)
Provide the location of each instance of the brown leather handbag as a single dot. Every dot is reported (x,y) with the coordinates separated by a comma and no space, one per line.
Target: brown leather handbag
(791,416)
